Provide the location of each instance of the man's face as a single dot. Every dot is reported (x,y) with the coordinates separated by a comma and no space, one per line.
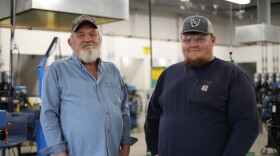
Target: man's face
(197,48)
(85,42)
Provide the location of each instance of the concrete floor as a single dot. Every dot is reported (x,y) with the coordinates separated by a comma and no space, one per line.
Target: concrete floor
(260,143)
(139,149)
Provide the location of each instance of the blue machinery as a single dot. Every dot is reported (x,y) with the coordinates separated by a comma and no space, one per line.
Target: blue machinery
(271,117)
(267,86)
(40,139)
(3,124)
(41,66)
(135,105)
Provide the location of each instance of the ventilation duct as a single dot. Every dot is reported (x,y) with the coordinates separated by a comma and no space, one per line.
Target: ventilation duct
(58,14)
(261,32)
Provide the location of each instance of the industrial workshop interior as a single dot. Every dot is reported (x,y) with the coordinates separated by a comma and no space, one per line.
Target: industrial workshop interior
(142,38)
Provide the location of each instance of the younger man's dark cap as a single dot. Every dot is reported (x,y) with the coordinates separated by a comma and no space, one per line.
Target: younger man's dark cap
(198,24)
(82,19)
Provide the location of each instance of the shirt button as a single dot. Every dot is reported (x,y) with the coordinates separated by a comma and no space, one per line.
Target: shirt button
(108,131)
(107,113)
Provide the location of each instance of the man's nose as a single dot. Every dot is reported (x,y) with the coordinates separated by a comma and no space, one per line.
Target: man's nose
(87,37)
(193,41)
(193,44)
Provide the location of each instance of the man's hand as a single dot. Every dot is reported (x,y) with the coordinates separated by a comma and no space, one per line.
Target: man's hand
(61,154)
(124,151)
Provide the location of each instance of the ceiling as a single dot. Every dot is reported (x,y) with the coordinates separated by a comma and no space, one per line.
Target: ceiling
(215,7)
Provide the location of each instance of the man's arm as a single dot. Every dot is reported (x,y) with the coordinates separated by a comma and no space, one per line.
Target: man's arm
(50,115)
(61,154)
(151,126)
(125,140)
(243,116)
(124,151)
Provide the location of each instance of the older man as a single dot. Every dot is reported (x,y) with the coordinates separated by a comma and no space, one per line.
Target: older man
(84,100)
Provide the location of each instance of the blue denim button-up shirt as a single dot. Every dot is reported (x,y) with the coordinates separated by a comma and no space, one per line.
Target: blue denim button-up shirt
(81,115)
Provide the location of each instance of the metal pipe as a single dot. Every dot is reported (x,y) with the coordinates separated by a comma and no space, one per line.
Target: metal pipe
(274,66)
(277,57)
(10,106)
(41,66)
(263,12)
(150,29)
(275,50)
(230,23)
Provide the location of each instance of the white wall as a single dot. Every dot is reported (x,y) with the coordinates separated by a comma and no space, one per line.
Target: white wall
(32,42)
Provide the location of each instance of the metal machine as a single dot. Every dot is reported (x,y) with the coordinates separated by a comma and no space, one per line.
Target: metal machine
(135,105)
(268,91)
(40,139)
(3,124)
(19,99)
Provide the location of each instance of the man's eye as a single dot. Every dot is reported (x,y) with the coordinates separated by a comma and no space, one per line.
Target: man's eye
(93,35)
(187,40)
(199,38)
(80,35)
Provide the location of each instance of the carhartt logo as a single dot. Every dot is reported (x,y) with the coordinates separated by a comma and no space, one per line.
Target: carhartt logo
(204,88)
(195,22)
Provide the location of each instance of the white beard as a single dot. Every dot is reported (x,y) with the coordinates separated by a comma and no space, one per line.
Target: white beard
(88,56)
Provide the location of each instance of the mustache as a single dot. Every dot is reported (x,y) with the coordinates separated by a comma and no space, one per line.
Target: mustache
(89,44)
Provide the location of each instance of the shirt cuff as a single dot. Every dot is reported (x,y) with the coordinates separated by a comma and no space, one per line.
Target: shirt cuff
(130,141)
(58,148)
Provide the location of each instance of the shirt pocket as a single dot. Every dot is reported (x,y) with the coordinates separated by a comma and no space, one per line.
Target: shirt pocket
(113,92)
(204,91)
(209,98)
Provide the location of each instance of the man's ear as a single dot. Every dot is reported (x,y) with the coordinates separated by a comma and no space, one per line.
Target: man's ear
(213,38)
(69,42)
(100,36)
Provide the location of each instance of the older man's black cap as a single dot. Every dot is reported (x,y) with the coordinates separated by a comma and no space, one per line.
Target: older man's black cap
(197,24)
(82,19)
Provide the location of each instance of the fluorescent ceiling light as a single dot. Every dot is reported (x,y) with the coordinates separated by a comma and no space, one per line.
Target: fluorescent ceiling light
(162,61)
(239,1)
(125,60)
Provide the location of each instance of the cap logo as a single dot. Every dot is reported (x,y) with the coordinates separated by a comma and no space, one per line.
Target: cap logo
(195,22)
(83,19)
